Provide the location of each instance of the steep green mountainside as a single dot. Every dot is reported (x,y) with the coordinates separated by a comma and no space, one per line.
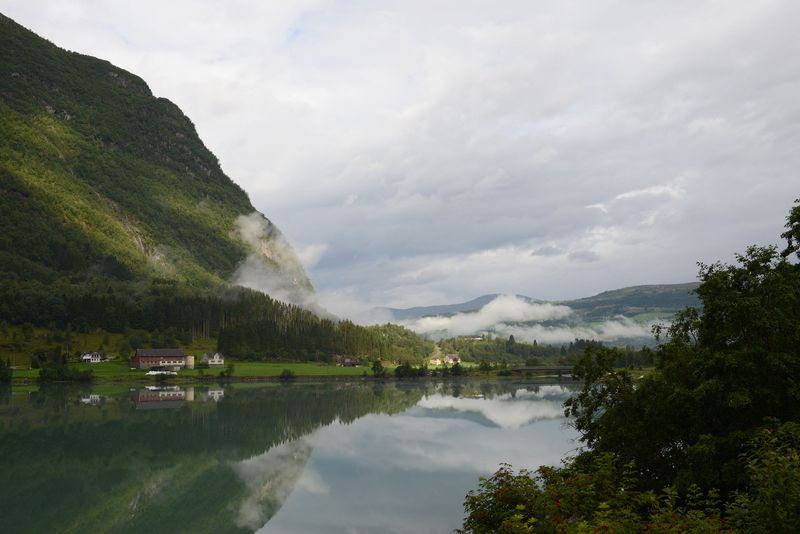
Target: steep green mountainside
(114,217)
(100,179)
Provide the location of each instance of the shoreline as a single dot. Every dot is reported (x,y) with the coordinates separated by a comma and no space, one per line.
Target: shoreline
(275,379)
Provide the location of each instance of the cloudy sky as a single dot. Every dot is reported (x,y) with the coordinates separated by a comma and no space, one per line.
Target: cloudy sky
(420,152)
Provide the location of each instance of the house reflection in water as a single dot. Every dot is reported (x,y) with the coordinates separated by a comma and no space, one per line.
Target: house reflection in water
(157,398)
(92,400)
(163,397)
(214,395)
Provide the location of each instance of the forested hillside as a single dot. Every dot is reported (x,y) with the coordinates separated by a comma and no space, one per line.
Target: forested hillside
(115,216)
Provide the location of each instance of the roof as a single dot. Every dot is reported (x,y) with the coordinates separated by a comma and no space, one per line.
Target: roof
(160,352)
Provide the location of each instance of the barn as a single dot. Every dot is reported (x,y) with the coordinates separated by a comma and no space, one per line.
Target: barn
(162,359)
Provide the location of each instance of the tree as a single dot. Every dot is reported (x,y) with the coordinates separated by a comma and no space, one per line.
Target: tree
(713,424)
(54,368)
(378,369)
(228,371)
(5,372)
(792,233)
(404,370)
(27,331)
(286,375)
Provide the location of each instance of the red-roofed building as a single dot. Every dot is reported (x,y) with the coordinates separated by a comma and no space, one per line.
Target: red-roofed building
(163,359)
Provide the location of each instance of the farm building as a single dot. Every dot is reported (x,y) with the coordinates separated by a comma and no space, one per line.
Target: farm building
(92,357)
(347,361)
(452,359)
(162,359)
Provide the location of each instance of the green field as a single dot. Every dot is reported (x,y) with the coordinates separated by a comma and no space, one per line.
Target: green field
(299,369)
(120,371)
(17,347)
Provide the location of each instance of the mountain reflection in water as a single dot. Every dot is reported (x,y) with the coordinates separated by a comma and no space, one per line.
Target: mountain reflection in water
(329,457)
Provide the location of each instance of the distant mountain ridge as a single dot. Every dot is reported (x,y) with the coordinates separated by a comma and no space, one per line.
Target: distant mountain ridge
(101,180)
(637,301)
(443,309)
(633,302)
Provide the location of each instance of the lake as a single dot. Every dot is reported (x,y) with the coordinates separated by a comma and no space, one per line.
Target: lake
(273,458)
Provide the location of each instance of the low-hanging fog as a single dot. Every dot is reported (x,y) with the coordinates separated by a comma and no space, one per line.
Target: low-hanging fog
(528,321)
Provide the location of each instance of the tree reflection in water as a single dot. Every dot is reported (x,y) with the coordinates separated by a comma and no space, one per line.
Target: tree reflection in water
(195,459)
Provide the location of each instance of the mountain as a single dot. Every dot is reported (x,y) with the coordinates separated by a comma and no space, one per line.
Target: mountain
(619,317)
(116,219)
(636,301)
(101,180)
(400,314)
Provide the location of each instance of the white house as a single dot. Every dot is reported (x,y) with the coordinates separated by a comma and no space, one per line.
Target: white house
(92,357)
(214,360)
(92,399)
(452,359)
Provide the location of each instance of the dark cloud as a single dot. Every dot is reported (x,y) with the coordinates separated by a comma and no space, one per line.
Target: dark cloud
(547,250)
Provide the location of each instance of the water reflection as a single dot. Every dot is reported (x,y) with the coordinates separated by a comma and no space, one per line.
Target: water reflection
(346,457)
(167,397)
(503,410)
(270,477)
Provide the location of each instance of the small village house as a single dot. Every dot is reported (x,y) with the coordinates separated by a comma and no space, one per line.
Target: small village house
(92,357)
(347,361)
(452,359)
(214,395)
(214,360)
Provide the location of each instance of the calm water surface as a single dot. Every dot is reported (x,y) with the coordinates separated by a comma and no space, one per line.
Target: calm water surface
(304,458)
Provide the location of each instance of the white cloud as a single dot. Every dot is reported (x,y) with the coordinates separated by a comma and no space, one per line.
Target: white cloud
(504,308)
(500,410)
(424,461)
(433,148)
(503,315)
(272,266)
(415,440)
(610,330)
(310,254)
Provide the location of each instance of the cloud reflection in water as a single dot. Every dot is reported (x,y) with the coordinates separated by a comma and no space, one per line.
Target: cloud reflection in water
(409,473)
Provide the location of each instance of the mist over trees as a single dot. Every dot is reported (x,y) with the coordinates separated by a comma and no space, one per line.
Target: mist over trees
(501,349)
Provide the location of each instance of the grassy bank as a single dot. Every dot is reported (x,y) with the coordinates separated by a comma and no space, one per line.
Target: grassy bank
(119,371)
(18,343)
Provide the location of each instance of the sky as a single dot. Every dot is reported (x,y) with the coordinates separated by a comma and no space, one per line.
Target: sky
(424,152)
